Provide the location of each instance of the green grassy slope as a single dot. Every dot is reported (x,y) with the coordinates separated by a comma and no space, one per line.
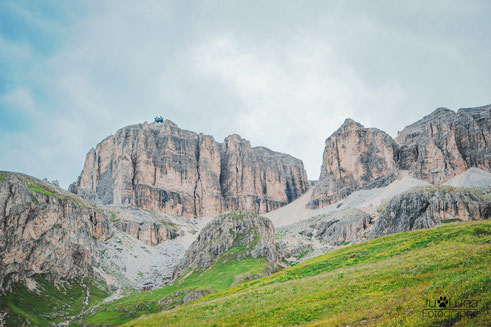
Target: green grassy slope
(383,282)
(50,303)
(219,277)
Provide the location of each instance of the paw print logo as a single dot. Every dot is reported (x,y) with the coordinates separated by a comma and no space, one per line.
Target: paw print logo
(442,301)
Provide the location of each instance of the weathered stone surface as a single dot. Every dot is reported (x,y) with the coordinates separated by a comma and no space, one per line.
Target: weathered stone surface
(354,157)
(257,178)
(149,233)
(446,143)
(164,168)
(434,149)
(45,230)
(255,235)
(320,234)
(427,207)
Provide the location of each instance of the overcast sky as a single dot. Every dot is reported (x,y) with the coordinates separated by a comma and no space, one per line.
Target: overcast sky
(282,74)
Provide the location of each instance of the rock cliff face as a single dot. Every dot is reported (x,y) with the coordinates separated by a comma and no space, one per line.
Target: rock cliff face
(434,149)
(45,230)
(164,168)
(248,233)
(427,207)
(258,178)
(354,157)
(149,233)
(446,143)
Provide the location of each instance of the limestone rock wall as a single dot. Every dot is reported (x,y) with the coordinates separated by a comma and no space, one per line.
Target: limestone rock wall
(164,168)
(446,143)
(149,233)
(354,157)
(258,178)
(434,149)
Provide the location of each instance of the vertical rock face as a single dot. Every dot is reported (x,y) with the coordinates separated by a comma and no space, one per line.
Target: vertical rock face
(149,233)
(258,178)
(354,157)
(161,167)
(446,143)
(434,149)
(44,230)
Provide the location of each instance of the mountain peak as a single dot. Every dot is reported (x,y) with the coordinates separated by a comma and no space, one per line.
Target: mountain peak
(351,122)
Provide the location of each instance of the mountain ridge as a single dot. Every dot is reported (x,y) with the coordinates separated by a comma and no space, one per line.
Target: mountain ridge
(159,166)
(434,149)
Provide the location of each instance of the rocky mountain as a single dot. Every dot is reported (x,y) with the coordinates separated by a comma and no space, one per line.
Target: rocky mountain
(434,149)
(161,167)
(45,230)
(231,236)
(148,182)
(446,143)
(354,157)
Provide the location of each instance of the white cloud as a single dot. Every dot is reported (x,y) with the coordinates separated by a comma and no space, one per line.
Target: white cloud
(20,99)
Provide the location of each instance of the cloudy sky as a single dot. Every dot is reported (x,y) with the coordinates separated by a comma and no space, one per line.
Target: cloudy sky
(282,74)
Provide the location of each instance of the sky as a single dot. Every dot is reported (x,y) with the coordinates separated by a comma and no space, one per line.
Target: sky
(282,74)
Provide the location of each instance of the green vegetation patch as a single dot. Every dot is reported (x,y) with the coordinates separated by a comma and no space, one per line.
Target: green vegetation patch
(447,221)
(383,282)
(222,275)
(41,190)
(50,302)
(219,277)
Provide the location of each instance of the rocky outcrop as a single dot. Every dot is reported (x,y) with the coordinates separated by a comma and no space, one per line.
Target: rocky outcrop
(320,234)
(446,143)
(354,157)
(163,168)
(150,233)
(45,230)
(347,226)
(232,236)
(427,207)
